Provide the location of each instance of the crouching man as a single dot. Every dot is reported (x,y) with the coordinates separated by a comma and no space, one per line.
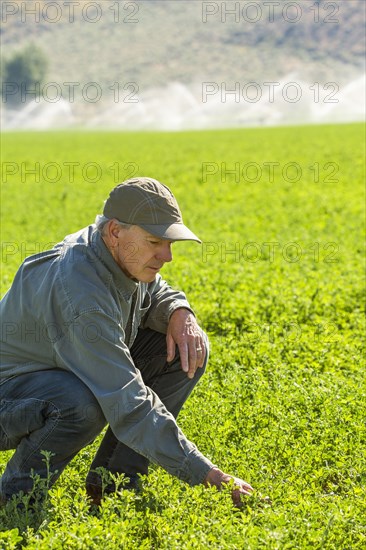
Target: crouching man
(92,335)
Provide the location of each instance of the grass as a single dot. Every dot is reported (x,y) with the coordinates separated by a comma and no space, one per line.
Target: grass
(277,284)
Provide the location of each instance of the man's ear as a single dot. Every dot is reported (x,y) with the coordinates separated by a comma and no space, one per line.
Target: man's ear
(112,232)
(115,229)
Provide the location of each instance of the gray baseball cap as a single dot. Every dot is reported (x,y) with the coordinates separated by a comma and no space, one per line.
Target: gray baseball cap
(151,205)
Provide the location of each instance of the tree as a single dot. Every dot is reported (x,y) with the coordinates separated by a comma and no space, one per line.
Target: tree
(23,75)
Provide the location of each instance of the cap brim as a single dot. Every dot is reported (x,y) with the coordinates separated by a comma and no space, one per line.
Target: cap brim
(172,232)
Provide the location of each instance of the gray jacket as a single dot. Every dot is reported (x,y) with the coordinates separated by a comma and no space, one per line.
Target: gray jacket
(70,308)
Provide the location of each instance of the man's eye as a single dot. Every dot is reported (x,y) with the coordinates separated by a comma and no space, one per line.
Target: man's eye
(154,242)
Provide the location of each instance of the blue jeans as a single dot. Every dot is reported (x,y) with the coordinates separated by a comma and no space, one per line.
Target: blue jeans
(53,410)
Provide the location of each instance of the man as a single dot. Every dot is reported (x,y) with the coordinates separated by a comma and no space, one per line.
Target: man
(92,335)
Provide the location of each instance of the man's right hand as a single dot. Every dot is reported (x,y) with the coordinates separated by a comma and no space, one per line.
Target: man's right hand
(218,478)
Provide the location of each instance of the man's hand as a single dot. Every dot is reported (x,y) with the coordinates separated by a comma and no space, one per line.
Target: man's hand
(184,332)
(218,478)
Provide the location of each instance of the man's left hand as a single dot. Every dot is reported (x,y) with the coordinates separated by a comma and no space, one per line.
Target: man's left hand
(184,332)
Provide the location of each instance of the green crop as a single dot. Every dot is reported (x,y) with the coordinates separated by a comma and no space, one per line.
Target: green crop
(278,285)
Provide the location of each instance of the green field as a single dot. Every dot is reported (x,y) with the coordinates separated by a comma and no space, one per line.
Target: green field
(278,284)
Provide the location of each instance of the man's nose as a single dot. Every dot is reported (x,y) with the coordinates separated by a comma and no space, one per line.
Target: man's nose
(165,253)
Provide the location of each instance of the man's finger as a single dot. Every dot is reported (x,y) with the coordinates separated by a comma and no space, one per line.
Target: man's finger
(243,487)
(201,352)
(170,346)
(193,358)
(183,352)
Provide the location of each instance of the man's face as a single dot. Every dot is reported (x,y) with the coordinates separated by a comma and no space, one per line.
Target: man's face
(139,254)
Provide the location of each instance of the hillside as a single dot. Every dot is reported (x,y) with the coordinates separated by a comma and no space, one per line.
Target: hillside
(157,42)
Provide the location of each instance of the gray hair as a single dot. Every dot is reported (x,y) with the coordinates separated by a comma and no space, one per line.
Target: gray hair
(101,221)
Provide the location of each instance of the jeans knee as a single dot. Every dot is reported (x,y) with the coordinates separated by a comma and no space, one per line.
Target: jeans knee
(88,417)
(84,413)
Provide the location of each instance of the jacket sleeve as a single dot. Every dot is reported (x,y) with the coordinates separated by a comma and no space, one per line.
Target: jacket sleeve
(164,300)
(95,351)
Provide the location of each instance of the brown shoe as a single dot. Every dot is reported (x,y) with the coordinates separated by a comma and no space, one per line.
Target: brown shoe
(94,494)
